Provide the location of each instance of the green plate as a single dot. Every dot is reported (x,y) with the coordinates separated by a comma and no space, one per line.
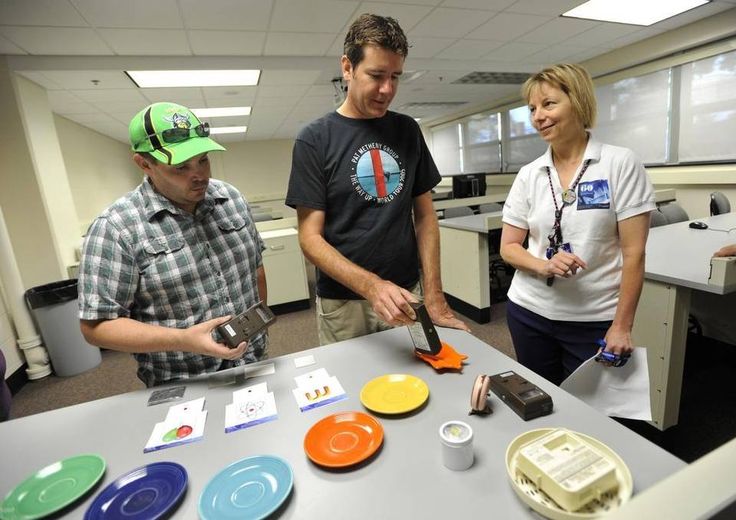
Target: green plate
(52,488)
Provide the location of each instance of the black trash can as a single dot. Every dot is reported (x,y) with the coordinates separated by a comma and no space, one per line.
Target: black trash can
(55,310)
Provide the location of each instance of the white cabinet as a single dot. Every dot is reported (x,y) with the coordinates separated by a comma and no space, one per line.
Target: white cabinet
(286,274)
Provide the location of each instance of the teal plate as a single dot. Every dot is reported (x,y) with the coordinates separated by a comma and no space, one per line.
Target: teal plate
(251,488)
(52,488)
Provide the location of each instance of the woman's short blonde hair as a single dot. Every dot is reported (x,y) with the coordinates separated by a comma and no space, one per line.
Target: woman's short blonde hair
(574,81)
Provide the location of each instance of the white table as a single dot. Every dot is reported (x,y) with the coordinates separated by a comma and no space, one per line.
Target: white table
(464,260)
(405,480)
(677,262)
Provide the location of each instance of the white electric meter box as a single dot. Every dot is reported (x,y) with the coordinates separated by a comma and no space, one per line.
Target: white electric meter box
(568,469)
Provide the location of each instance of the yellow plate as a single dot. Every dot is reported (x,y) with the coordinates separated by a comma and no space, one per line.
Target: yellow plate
(394,393)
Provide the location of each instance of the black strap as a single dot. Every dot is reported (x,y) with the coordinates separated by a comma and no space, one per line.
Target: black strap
(155,141)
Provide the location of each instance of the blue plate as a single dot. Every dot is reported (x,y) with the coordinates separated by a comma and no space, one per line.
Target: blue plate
(146,493)
(251,488)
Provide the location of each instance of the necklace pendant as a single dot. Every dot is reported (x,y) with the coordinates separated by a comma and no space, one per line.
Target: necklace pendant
(568,197)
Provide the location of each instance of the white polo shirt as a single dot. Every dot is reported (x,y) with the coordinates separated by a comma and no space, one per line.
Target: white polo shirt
(614,187)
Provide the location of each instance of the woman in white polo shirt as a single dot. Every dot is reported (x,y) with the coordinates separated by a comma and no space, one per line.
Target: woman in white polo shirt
(584,207)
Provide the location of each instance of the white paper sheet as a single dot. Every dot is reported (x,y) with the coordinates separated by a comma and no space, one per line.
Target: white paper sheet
(614,391)
(304,361)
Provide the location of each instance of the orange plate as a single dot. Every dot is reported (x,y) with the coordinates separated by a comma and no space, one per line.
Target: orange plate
(343,439)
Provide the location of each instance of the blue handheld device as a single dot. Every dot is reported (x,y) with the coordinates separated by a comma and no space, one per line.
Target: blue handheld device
(614,360)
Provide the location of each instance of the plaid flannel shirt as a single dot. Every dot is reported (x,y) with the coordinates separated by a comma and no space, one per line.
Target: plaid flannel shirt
(145,259)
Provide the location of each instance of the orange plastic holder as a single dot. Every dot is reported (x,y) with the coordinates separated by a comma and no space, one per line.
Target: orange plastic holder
(447,358)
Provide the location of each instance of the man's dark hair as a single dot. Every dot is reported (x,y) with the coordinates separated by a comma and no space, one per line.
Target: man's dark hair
(372,29)
(148,157)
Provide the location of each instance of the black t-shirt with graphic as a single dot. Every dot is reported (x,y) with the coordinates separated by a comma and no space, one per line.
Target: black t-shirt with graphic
(364,174)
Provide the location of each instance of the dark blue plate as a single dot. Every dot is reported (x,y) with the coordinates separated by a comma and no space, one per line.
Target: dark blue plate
(146,493)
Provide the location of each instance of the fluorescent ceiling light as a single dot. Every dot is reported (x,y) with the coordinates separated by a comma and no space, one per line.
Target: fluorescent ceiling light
(634,12)
(193,78)
(227,129)
(221,112)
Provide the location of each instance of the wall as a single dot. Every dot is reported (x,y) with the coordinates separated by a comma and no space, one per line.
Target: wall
(20,195)
(99,168)
(259,169)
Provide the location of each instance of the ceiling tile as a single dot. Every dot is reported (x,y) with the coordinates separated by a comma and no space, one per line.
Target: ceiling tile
(421,2)
(62,102)
(491,5)
(420,47)
(57,40)
(101,97)
(83,79)
(321,16)
(337,47)
(88,119)
(7,47)
(468,49)
(297,44)
(507,26)
(138,14)
(514,51)
(450,23)
(40,12)
(558,30)
(146,42)
(407,15)
(279,91)
(228,101)
(602,35)
(40,78)
(557,53)
(274,113)
(246,15)
(189,97)
(543,7)
(227,43)
(289,77)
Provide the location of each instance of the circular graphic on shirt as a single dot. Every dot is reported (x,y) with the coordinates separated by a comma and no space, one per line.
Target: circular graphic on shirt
(377,173)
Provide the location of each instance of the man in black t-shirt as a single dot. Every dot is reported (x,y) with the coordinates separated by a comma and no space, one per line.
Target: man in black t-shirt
(358,177)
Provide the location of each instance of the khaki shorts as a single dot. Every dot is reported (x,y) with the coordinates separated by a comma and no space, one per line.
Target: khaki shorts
(339,320)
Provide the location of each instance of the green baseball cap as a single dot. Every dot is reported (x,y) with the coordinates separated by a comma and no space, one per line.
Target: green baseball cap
(171,133)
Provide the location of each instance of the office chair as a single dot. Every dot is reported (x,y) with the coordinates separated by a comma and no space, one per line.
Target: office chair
(719,204)
(674,212)
(461,211)
(657,219)
(490,207)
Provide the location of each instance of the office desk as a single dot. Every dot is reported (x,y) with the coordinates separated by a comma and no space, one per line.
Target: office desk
(677,262)
(405,480)
(464,261)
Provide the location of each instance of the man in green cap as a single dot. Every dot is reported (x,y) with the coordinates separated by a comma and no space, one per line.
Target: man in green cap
(173,259)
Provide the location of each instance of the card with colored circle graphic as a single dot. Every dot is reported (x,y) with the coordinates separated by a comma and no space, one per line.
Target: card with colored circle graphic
(184,423)
(251,406)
